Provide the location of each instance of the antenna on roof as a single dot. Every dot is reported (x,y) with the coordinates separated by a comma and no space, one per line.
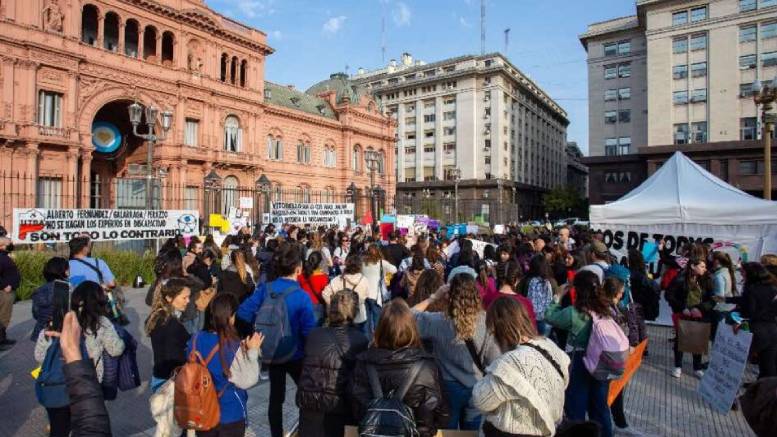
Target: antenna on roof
(346,68)
(482,27)
(383,38)
(507,40)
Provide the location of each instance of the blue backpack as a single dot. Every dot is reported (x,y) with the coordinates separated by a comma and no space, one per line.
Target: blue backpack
(121,373)
(272,320)
(50,387)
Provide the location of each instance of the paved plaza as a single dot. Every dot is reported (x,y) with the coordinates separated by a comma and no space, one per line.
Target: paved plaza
(655,403)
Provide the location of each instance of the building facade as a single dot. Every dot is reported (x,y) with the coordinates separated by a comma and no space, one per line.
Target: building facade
(69,71)
(476,118)
(701,58)
(577,172)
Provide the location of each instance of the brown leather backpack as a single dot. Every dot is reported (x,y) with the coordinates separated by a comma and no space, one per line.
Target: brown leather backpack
(196,402)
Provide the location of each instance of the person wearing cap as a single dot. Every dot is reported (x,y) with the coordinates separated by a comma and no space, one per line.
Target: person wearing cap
(600,258)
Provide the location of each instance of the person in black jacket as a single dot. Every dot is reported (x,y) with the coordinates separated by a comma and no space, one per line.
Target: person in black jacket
(9,282)
(236,279)
(330,357)
(168,334)
(758,305)
(56,268)
(396,347)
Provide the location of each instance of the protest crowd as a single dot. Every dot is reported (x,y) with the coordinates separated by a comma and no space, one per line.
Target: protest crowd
(518,333)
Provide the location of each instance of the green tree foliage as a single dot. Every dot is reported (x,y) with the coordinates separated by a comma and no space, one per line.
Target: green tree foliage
(561,200)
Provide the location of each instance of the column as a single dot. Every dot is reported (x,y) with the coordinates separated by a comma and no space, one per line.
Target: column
(122,25)
(158,49)
(141,40)
(31,170)
(70,189)
(85,176)
(100,30)
(438,138)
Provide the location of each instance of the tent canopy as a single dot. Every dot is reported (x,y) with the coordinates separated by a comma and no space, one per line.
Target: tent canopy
(683,192)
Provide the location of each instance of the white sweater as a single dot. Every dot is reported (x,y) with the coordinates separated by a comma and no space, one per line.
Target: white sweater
(522,393)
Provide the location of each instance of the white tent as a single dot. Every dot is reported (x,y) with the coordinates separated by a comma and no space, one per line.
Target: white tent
(682,201)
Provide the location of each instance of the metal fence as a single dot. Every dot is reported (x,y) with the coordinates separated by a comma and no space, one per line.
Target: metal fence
(491,211)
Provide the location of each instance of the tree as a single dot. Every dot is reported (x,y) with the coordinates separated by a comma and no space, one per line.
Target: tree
(561,200)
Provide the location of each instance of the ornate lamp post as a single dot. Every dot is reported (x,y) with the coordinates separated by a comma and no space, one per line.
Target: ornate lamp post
(456,173)
(372,157)
(351,192)
(135,112)
(263,185)
(765,95)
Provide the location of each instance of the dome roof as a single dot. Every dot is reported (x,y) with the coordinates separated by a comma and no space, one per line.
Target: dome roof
(338,82)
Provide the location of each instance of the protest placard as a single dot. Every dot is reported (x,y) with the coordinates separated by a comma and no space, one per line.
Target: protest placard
(41,225)
(632,364)
(246,203)
(728,359)
(479,246)
(315,214)
(405,221)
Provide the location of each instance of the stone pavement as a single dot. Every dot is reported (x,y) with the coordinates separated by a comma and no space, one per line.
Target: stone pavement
(655,403)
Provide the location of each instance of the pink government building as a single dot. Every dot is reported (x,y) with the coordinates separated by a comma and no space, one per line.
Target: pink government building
(70,69)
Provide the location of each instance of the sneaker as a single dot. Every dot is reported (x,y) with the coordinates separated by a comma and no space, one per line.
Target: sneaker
(698,373)
(264,376)
(677,372)
(628,431)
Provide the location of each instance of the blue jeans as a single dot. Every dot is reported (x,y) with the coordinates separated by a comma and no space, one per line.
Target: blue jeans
(373,316)
(587,394)
(463,415)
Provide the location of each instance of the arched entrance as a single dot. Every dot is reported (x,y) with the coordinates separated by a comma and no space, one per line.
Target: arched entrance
(117,174)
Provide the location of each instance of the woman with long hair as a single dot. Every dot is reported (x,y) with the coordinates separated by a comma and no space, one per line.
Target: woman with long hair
(538,286)
(56,269)
(428,283)
(168,264)
(168,334)
(396,356)
(724,279)
(759,306)
(585,394)
(236,279)
(375,269)
(317,244)
(461,344)
(313,280)
(507,280)
(252,264)
(330,357)
(89,303)
(690,296)
(485,283)
(413,272)
(233,365)
(436,258)
(523,392)
(352,278)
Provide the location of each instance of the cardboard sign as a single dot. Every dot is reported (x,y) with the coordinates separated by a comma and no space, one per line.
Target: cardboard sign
(479,246)
(41,225)
(315,214)
(632,364)
(728,360)
(246,203)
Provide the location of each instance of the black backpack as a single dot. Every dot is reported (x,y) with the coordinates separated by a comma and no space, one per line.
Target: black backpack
(388,415)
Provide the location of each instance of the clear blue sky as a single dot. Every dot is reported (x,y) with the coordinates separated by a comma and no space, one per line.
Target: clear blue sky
(315,38)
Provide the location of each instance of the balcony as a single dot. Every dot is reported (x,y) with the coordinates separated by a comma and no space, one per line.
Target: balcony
(49,131)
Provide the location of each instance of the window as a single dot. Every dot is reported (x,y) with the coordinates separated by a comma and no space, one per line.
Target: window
(410,135)
(429,118)
(699,41)
(699,69)
(356,159)
(747,33)
(191,198)
(429,133)
(769,30)
(699,130)
(698,96)
(766,3)
(624,47)
(449,115)
(449,101)
(679,17)
(303,153)
(624,145)
(49,109)
(748,167)
(624,70)
(429,104)
(746,90)
(410,107)
(410,150)
(429,174)
(747,5)
(610,71)
(429,148)
(624,93)
(680,72)
(449,147)
(611,146)
(49,193)
(748,128)
(681,132)
(330,159)
(449,131)
(190,132)
(610,117)
(680,97)
(233,134)
(624,116)
(769,59)
(747,62)
(274,148)
(680,45)
(410,121)
(610,95)
(698,14)
(611,49)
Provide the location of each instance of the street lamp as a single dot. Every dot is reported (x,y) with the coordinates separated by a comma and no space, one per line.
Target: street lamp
(263,185)
(456,173)
(351,192)
(765,95)
(135,112)
(372,157)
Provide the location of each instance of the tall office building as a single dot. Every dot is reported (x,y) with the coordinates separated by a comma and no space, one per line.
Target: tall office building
(695,61)
(480,115)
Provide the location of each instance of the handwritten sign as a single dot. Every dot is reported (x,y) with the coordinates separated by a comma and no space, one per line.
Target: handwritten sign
(632,364)
(728,359)
(314,214)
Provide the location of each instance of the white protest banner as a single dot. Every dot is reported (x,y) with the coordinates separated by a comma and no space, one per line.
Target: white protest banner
(405,221)
(452,249)
(728,359)
(41,225)
(478,246)
(314,214)
(499,229)
(246,203)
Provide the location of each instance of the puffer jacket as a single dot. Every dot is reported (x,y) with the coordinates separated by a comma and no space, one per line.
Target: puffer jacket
(42,308)
(330,357)
(88,415)
(424,396)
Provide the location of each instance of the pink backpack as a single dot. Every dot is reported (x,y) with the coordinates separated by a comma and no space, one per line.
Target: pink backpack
(608,347)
